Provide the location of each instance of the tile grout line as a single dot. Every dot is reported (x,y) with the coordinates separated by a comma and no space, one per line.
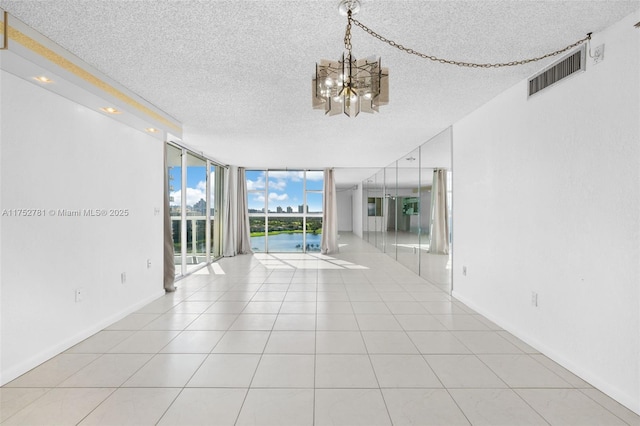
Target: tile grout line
(378,290)
(315,350)
(182,388)
(375,375)
(262,354)
(581,390)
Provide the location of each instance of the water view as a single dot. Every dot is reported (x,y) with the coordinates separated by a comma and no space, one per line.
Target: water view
(287,242)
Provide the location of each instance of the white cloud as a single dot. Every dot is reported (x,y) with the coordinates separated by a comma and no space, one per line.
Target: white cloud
(279,185)
(257,184)
(193,196)
(315,175)
(278,197)
(284,175)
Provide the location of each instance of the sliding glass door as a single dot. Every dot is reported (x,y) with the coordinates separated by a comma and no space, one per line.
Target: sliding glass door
(174,171)
(195,197)
(195,204)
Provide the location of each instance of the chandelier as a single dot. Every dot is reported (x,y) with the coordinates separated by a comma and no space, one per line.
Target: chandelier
(350,85)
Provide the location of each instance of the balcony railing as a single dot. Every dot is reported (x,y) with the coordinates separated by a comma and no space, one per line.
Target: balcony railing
(196,247)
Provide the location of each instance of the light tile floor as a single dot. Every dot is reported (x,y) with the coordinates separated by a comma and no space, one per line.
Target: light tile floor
(287,339)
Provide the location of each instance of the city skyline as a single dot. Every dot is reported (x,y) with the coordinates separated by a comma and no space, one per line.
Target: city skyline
(284,190)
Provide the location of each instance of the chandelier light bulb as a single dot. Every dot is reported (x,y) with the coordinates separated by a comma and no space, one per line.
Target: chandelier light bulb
(350,86)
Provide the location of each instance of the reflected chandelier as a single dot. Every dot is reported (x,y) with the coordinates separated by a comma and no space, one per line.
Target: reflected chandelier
(350,86)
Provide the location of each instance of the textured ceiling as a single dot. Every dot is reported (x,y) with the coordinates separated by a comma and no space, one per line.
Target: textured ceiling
(237,74)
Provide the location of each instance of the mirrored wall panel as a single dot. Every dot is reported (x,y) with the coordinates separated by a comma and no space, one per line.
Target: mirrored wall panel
(407,210)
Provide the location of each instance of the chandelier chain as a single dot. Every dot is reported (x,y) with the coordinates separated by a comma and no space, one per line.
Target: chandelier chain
(347,34)
(453,62)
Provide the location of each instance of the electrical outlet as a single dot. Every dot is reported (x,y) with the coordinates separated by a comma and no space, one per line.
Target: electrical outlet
(79,295)
(534,299)
(598,54)
(464,271)
(123,277)
(148,263)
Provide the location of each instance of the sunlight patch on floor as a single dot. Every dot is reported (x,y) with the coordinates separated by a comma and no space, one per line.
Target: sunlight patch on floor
(211,269)
(217,269)
(303,261)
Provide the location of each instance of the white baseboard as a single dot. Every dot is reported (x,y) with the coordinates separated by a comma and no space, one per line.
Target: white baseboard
(598,382)
(17,370)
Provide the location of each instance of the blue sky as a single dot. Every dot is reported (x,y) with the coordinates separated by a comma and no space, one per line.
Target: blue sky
(285,189)
(196,185)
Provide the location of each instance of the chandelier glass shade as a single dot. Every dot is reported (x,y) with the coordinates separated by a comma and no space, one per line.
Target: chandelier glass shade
(350,85)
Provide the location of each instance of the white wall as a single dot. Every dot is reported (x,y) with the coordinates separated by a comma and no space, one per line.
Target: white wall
(345,205)
(59,155)
(547,200)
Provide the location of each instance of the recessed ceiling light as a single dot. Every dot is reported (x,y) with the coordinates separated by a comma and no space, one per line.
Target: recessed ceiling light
(43,79)
(151,130)
(110,110)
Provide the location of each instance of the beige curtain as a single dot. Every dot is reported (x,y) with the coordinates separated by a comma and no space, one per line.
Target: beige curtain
(439,214)
(329,241)
(169,262)
(229,222)
(235,231)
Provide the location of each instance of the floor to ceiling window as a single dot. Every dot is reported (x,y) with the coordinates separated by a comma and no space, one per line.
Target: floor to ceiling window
(285,210)
(195,205)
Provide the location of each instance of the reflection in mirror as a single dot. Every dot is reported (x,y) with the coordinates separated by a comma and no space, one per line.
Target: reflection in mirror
(369,210)
(435,263)
(409,211)
(379,219)
(391,209)
(399,205)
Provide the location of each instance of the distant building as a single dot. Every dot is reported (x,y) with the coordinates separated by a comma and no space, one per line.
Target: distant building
(200,207)
(279,209)
(289,209)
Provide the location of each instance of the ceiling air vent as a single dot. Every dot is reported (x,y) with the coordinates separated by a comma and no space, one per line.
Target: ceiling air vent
(557,71)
